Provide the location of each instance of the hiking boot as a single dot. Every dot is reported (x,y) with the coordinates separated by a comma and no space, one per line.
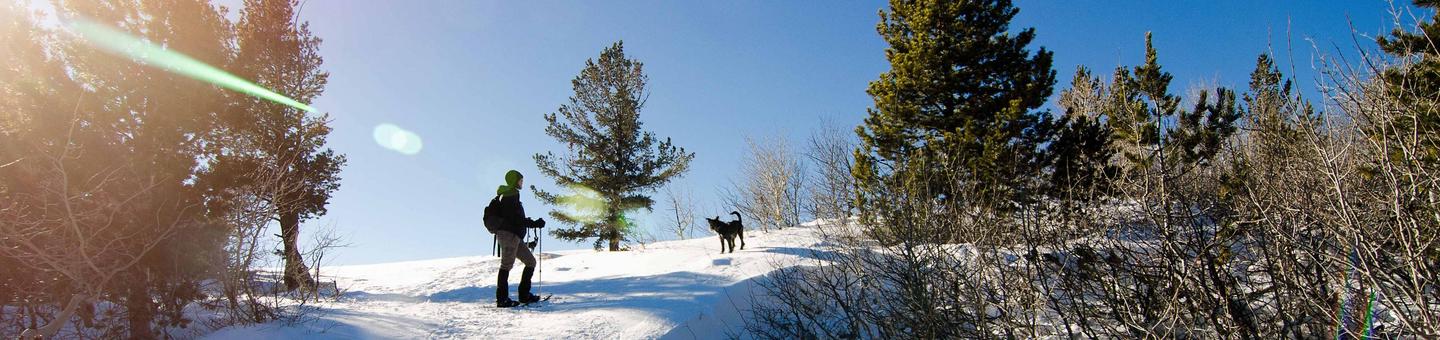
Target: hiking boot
(529,298)
(525,282)
(502,290)
(506,303)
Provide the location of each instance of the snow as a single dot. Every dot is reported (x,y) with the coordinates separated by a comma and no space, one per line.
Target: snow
(675,290)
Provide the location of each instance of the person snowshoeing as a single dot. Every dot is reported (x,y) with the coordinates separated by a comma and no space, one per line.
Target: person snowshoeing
(511,237)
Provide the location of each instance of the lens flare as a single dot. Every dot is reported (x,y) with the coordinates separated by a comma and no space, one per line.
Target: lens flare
(400,140)
(586,205)
(583,204)
(119,43)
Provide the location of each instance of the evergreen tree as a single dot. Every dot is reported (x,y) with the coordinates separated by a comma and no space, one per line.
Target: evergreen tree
(608,154)
(1139,103)
(958,103)
(1133,124)
(1416,84)
(1080,152)
(1408,127)
(263,137)
(1274,111)
(1149,127)
(118,143)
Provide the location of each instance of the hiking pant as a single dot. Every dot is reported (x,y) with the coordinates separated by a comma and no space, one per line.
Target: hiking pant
(512,246)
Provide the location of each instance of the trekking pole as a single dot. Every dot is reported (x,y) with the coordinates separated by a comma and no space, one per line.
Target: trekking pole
(539,252)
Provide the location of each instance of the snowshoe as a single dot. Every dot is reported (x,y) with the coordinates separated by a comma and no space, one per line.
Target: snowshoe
(507,303)
(538,300)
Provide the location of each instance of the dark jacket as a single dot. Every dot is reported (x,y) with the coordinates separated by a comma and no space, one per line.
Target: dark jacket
(512,215)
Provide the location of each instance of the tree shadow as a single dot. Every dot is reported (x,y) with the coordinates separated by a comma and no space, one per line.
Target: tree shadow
(326,323)
(666,295)
(358,295)
(809,253)
(468,294)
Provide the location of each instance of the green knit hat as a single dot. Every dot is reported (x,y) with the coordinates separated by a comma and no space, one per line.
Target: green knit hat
(511,187)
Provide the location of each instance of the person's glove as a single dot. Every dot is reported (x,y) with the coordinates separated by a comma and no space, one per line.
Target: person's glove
(539,223)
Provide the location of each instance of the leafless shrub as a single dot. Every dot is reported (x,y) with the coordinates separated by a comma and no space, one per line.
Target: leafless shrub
(1307,224)
(771,189)
(831,190)
(682,210)
(251,292)
(85,223)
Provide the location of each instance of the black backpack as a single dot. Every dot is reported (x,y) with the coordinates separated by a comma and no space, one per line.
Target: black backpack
(493,221)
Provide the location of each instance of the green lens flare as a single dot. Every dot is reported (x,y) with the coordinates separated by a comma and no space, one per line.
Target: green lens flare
(588,206)
(119,43)
(585,205)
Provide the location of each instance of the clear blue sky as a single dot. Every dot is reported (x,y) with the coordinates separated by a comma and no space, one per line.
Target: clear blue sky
(473,79)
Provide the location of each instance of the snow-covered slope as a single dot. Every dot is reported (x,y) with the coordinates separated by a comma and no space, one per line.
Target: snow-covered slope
(676,289)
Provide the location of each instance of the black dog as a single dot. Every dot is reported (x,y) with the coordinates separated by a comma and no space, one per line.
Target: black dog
(728,231)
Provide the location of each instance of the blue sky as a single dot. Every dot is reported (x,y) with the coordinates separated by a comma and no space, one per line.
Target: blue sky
(473,79)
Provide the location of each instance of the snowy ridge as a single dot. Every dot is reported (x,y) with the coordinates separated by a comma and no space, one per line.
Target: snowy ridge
(674,289)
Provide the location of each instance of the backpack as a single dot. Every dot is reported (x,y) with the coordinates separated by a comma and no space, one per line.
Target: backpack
(492,219)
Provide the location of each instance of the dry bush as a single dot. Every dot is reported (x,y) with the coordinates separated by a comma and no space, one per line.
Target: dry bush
(771,191)
(831,188)
(682,210)
(85,222)
(1307,223)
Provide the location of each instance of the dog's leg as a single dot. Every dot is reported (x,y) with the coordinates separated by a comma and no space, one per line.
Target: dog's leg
(722,244)
(742,238)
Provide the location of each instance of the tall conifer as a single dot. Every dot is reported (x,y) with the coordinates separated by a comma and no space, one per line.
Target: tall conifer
(609,160)
(958,107)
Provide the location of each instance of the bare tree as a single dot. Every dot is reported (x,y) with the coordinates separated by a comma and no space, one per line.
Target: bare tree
(682,209)
(249,215)
(88,227)
(249,290)
(323,243)
(771,190)
(831,190)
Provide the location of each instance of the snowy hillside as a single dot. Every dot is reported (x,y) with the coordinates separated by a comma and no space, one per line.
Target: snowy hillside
(675,289)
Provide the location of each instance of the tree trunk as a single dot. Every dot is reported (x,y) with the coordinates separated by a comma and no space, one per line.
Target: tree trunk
(297,276)
(617,221)
(139,310)
(614,239)
(54,325)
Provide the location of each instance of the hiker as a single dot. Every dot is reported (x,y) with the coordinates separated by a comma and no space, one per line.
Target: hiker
(510,236)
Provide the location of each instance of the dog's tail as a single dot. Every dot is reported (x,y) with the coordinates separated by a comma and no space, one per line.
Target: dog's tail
(737,216)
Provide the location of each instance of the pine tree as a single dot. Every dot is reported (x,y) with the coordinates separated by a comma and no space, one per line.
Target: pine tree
(1416,84)
(119,143)
(608,154)
(1409,125)
(959,102)
(263,137)
(1276,115)
(1149,127)
(1140,103)
(1080,152)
